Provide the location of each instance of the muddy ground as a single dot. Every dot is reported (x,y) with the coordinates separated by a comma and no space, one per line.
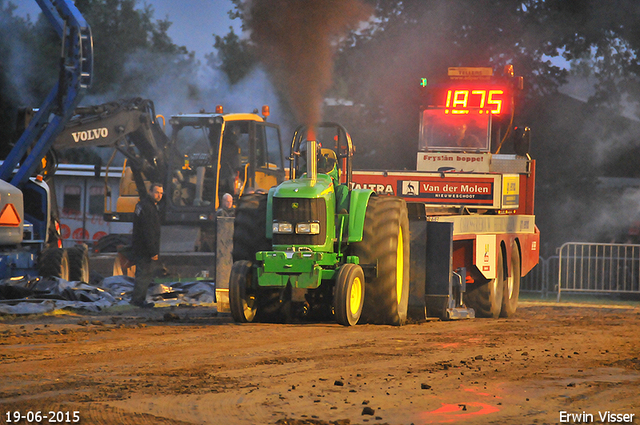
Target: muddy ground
(190,366)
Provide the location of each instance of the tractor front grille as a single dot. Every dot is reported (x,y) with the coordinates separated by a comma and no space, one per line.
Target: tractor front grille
(300,210)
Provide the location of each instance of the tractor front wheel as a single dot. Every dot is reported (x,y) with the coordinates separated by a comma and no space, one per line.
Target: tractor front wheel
(242,301)
(349,294)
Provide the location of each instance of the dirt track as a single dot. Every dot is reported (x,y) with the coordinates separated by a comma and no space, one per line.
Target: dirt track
(188,366)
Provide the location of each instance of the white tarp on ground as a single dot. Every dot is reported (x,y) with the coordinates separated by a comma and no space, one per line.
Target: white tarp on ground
(36,296)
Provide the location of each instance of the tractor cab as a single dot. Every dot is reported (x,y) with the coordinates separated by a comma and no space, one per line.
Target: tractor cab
(334,151)
(333,157)
(326,159)
(305,207)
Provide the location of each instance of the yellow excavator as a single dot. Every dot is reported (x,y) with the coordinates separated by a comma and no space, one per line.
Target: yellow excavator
(204,156)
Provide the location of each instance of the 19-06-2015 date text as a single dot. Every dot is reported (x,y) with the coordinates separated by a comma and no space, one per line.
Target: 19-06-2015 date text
(38,417)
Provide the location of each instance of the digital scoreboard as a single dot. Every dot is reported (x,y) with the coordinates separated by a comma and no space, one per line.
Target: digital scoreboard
(473,91)
(464,100)
(481,101)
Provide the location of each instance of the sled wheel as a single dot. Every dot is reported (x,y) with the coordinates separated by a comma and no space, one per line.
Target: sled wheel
(512,285)
(349,294)
(486,298)
(111,243)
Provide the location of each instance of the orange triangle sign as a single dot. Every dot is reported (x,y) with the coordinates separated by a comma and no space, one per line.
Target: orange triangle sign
(9,216)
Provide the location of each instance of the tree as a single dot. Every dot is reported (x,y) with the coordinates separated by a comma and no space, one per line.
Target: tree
(234,56)
(131,51)
(133,56)
(603,38)
(379,67)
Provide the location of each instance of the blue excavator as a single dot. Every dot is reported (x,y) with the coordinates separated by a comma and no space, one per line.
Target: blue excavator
(29,241)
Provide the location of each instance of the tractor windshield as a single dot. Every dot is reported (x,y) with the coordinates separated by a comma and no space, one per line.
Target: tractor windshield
(454,132)
(334,149)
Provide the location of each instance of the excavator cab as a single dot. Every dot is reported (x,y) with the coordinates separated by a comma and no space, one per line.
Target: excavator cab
(205,156)
(213,154)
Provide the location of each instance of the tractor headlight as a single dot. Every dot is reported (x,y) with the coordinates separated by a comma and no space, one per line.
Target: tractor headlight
(282,227)
(308,228)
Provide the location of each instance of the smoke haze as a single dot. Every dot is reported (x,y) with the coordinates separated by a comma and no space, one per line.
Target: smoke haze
(296,43)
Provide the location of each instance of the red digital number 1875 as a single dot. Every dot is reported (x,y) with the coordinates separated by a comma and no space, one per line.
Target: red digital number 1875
(484,101)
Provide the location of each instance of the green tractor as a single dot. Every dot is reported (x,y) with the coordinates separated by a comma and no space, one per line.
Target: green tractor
(315,247)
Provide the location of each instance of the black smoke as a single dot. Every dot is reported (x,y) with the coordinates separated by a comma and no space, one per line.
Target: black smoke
(296,42)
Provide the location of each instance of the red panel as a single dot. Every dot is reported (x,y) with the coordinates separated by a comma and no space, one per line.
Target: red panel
(530,246)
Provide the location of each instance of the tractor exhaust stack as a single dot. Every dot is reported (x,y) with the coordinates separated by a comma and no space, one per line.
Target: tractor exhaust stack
(312,154)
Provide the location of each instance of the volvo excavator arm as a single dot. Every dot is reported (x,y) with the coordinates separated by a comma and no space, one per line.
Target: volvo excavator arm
(128,126)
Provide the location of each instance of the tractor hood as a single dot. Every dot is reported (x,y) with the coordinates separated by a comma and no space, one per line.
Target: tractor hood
(305,202)
(305,187)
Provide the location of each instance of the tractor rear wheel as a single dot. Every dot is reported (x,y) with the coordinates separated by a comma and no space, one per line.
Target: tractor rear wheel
(78,263)
(349,295)
(385,242)
(512,285)
(54,262)
(242,301)
(486,298)
(249,232)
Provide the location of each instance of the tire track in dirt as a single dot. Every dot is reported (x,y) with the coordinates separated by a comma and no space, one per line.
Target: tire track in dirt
(544,360)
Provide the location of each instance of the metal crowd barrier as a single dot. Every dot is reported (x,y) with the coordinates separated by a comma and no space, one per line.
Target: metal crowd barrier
(598,268)
(587,268)
(542,278)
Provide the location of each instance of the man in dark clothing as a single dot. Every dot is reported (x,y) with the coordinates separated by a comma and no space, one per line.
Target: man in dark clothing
(146,243)
(226,206)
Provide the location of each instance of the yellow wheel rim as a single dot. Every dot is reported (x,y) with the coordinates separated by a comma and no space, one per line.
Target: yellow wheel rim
(356,296)
(399,266)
